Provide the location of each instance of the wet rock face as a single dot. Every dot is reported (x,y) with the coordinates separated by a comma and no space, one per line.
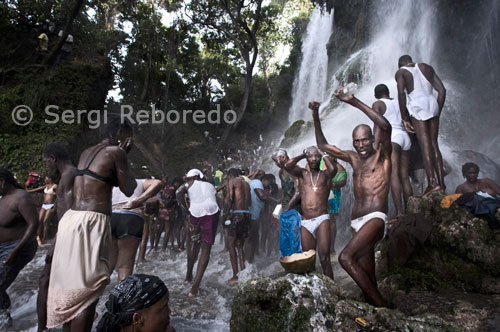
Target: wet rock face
(313,302)
(461,251)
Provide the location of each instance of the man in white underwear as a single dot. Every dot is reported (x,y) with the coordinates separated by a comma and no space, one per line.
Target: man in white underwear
(418,80)
(371,166)
(314,187)
(401,144)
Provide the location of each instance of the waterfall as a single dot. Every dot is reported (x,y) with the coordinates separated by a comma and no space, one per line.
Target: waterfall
(311,80)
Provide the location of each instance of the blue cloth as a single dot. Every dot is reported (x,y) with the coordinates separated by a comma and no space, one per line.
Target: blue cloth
(290,233)
(257,204)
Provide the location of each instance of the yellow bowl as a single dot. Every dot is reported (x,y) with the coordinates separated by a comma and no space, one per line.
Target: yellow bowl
(299,263)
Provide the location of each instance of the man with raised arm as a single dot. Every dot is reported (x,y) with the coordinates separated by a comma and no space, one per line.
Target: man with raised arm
(371,181)
(238,200)
(418,80)
(314,187)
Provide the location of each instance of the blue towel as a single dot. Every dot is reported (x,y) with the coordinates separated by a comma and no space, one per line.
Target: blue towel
(290,233)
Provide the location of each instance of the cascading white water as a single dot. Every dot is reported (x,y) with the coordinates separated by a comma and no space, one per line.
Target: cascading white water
(311,80)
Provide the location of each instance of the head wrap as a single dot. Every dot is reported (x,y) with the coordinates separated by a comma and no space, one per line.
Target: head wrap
(131,295)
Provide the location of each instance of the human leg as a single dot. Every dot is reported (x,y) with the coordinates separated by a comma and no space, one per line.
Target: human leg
(404,175)
(395,180)
(438,165)
(333,231)
(83,322)
(46,222)
(323,241)
(233,257)
(144,240)
(424,140)
(192,251)
(202,266)
(361,245)
(127,249)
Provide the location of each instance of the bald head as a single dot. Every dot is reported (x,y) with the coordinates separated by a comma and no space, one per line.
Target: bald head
(362,129)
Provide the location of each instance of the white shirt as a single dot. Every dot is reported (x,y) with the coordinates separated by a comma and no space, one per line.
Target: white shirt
(119,197)
(202,198)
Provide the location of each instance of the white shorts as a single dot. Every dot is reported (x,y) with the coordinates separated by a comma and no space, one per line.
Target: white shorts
(401,138)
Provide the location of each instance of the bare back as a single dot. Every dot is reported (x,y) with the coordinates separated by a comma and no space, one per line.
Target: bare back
(91,194)
(240,193)
(18,211)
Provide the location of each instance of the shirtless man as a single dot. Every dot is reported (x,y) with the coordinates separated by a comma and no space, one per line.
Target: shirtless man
(314,186)
(470,172)
(56,159)
(238,200)
(401,144)
(18,225)
(371,180)
(80,267)
(418,80)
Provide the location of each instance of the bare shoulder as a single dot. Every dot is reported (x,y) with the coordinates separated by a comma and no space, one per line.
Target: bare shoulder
(379,107)
(22,197)
(460,189)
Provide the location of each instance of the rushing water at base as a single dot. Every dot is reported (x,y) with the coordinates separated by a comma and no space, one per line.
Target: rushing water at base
(210,311)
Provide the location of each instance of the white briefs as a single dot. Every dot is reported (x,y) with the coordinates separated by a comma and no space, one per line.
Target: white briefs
(312,224)
(357,223)
(401,138)
(47,206)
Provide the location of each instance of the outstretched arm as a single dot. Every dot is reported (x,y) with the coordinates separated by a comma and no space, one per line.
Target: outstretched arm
(321,139)
(384,135)
(400,81)
(291,166)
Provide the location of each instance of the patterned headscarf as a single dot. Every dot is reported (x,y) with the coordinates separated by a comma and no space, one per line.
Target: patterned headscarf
(131,295)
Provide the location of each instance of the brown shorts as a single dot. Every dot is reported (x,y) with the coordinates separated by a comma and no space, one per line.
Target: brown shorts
(240,223)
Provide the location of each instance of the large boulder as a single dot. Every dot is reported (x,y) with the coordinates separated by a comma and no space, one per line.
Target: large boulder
(461,251)
(313,302)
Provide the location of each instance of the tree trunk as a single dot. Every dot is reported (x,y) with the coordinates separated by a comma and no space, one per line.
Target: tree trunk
(150,152)
(74,13)
(241,110)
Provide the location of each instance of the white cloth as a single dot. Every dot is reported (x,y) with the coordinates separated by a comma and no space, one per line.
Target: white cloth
(118,197)
(422,105)
(357,223)
(202,199)
(312,224)
(393,113)
(401,138)
(47,206)
(194,172)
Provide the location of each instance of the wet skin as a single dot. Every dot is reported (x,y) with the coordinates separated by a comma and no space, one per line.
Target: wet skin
(371,180)
(314,187)
(426,131)
(473,184)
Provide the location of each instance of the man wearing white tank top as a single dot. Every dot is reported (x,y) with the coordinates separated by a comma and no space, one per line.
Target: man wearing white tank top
(419,80)
(401,144)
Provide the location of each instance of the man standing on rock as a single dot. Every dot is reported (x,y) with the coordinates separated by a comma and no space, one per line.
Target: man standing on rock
(314,188)
(238,200)
(371,180)
(418,80)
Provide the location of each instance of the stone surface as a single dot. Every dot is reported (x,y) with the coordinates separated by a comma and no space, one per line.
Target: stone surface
(314,302)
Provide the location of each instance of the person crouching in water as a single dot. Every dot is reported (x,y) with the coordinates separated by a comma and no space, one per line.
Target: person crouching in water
(203,219)
(315,188)
(137,303)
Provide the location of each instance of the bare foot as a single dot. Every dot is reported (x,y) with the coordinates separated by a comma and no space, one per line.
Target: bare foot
(233,281)
(430,190)
(38,240)
(180,249)
(191,294)
(187,281)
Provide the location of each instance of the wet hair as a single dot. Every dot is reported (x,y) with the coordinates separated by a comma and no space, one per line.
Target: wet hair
(133,294)
(404,59)
(278,153)
(468,166)
(311,149)
(365,126)
(268,177)
(115,123)
(57,150)
(9,178)
(234,172)
(245,170)
(381,90)
(52,177)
